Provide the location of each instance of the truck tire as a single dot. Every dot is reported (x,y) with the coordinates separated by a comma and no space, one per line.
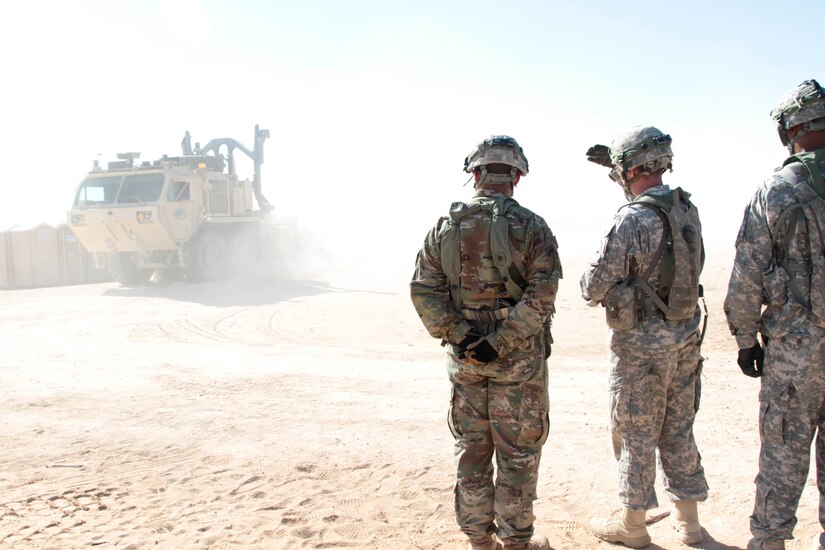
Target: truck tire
(246,253)
(208,258)
(125,269)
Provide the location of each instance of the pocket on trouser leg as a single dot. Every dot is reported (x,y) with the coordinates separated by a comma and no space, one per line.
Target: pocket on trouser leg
(526,517)
(514,510)
(631,404)
(772,418)
(630,423)
(451,423)
(697,386)
(534,418)
(771,518)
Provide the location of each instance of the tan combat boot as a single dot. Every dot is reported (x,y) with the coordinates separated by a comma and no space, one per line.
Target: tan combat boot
(490,544)
(685,519)
(629,529)
(538,542)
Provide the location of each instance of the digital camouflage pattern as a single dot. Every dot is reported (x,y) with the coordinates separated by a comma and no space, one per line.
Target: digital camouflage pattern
(682,258)
(655,369)
(500,408)
(641,145)
(781,279)
(801,106)
(790,418)
(759,278)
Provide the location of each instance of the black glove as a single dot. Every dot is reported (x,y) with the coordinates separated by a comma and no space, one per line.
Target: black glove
(466,341)
(482,352)
(600,154)
(751,361)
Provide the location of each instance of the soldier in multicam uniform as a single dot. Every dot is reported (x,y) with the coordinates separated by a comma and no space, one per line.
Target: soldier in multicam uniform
(485,283)
(646,275)
(780,265)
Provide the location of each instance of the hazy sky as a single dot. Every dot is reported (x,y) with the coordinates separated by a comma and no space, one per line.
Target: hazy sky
(373,105)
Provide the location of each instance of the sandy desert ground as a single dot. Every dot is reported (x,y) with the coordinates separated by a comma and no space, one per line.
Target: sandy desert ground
(306,414)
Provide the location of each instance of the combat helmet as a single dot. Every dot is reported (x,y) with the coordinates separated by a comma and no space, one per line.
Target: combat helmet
(643,146)
(803,106)
(498,149)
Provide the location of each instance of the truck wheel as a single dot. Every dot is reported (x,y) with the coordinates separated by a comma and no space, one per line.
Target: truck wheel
(208,258)
(245,254)
(125,270)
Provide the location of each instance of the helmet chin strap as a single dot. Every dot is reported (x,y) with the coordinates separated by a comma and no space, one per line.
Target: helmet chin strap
(807,127)
(628,194)
(652,167)
(618,176)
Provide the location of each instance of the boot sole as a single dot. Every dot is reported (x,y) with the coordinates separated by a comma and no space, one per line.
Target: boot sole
(690,539)
(636,542)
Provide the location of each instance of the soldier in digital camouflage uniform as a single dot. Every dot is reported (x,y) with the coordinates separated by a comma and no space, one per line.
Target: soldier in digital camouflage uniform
(485,283)
(779,264)
(655,361)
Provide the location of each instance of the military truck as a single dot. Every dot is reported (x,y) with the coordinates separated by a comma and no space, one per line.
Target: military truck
(188,217)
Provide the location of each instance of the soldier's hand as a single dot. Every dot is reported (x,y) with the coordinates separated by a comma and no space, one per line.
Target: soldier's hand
(462,346)
(600,154)
(482,352)
(752,361)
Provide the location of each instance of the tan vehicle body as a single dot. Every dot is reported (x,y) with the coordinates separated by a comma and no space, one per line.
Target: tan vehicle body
(182,215)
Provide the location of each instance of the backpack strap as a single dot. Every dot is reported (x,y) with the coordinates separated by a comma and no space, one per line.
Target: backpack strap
(665,249)
(803,208)
(811,160)
(643,279)
(507,263)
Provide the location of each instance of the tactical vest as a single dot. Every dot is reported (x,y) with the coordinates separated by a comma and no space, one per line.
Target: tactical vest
(806,276)
(506,261)
(680,252)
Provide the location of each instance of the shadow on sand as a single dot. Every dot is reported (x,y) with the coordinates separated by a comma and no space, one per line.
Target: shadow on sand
(233,292)
(710,543)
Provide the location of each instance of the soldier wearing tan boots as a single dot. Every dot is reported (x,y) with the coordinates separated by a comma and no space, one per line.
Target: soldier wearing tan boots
(646,275)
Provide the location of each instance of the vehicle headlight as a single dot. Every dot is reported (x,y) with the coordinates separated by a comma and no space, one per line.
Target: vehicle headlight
(144,217)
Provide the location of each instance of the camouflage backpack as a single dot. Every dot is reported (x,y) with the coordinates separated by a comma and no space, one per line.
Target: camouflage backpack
(805,279)
(681,253)
(507,262)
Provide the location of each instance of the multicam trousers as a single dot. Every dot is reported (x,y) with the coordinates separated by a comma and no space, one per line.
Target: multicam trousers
(499,409)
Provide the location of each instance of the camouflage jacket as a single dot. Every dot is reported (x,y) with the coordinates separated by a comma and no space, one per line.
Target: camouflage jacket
(761,276)
(629,248)
(481,284)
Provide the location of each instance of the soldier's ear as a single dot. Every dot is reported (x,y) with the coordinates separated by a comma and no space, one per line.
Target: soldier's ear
(477,175)
(516,179)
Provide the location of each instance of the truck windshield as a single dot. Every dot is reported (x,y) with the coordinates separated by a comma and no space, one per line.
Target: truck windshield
(133,189)
(140,188)
(98,190)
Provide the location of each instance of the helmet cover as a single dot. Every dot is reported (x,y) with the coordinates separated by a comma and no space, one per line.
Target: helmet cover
(498,149)
(642,146)
(801,105)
